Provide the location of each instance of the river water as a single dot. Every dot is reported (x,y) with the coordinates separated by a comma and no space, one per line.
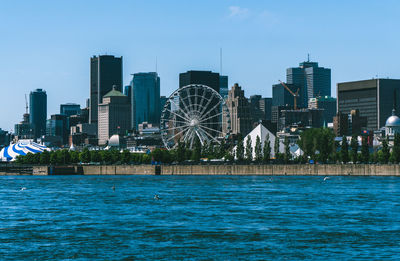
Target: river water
(199,218)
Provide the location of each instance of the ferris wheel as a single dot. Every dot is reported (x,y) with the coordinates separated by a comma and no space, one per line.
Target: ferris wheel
(194,112)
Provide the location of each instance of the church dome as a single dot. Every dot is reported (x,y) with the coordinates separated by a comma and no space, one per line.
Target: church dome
(393,121)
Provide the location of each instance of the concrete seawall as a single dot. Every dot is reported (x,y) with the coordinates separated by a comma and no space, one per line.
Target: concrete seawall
(295,169)
(231,169)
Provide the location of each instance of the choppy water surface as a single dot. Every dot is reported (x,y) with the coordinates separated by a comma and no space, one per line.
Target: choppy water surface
(199,217)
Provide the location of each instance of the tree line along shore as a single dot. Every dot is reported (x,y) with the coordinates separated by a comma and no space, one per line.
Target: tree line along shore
(317,145)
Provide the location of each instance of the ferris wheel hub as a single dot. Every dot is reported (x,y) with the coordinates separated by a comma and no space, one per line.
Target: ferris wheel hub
(194,123)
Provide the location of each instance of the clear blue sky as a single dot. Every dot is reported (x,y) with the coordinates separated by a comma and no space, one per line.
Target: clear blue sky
(47,44)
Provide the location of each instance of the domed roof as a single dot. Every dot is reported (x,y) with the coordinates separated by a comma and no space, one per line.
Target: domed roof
(393,121)
(114,141)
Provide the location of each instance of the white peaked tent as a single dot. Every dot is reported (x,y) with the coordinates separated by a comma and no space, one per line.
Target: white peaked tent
(262,132)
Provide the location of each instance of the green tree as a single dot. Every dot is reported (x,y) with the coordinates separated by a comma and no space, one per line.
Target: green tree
(267,150)
(146,159)
(287,155)
(95,156)
(116,156)
(364,150)
(374,157)
(181,152)
(324,143)
(240,150)
(126,157)
(20,159)
(354,148)
(196,153)
(106,156)
(335,156)
(249,150)
(276,148)
(307,142)
(396,148)
(45,157)
(204,149)
(384,157)
(74,156)
(258,150)
(62,157)
(221,150)
(53,158)
(344,151)
(84,156)
(229,156)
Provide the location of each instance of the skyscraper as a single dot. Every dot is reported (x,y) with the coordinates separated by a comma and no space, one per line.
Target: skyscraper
(324,102)
(239,110)
(163,100)
(201,77)
(374,98)
(260,108)
(312,80)
(38,112)
(58,126)
(114,115)
(223,86)
(70,109)
(282,97)
(146,98)
(105,72)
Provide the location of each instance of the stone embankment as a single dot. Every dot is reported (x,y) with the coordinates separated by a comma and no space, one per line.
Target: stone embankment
(228,169)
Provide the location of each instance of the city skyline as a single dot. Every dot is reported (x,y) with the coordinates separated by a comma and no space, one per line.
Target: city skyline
(42,50)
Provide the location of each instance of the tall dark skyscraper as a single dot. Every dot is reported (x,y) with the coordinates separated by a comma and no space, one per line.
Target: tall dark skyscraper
(146,98)
(223,86)
(313,81)
(374,98)
(200,77)
(58,126)
(70,109)
(38,112)
(105,72)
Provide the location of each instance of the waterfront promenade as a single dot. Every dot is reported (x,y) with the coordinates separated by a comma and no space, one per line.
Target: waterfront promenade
(203,169)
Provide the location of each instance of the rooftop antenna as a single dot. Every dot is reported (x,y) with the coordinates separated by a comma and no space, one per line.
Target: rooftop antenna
(26,105)
(220,61)
(308,57)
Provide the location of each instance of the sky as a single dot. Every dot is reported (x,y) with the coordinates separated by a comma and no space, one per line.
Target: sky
(48,44)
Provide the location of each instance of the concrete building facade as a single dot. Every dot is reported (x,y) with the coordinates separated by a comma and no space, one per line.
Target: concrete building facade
(114,116)
(239,110)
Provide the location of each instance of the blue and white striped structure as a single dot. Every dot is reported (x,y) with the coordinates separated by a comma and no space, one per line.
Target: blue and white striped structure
(11,152)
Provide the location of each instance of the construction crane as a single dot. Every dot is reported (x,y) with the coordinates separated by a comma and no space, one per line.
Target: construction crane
(295,95)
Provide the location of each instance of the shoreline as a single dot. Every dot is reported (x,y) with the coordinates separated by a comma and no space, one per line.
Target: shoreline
(203,169)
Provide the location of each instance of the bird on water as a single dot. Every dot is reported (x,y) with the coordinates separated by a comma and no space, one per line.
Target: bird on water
(326,178)
(156,197)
